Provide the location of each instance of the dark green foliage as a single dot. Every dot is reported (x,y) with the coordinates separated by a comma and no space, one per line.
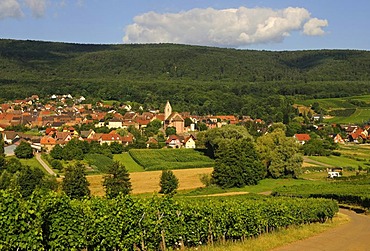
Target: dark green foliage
(56,164)
(55,222)
(279,154)
(317,146)
(117,181)
(99,161)
(153,127)
(168,182)
(170,131)
(28,179)
(72,151)
(23,151)
(205,80)
(224,135)
(237,164)
(75,184)
(116,148)
(57,152)
(356,192)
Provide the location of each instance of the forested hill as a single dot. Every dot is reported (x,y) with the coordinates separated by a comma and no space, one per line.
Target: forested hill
(204,79)
(50,60)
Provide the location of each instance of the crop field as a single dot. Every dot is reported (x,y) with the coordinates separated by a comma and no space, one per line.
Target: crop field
(159,159)
(128,162)
(148,182)
(98,162)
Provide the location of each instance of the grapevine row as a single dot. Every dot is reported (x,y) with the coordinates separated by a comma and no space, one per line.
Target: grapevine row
(54,222)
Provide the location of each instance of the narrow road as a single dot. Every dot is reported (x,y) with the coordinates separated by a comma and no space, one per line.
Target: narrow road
(44,165)
(353,236)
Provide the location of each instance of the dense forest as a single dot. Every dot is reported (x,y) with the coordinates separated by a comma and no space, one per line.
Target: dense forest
(202,80)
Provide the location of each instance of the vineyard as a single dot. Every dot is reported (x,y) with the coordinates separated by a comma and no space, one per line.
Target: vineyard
(347,192)
(159,159)
(54,222)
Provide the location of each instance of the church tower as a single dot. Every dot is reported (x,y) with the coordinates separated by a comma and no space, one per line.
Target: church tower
(167,110)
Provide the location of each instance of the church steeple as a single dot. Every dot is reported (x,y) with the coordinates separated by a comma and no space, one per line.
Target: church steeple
(167,110)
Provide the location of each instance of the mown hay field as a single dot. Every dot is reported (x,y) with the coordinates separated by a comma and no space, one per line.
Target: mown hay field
(148,182)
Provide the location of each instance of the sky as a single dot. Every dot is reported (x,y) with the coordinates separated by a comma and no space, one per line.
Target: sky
(248,24)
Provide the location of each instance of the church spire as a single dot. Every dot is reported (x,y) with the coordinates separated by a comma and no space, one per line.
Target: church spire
(167,110)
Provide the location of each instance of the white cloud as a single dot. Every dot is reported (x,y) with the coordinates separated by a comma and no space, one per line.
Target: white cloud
(10,8)
(314,27)
(228,27)
(37,7)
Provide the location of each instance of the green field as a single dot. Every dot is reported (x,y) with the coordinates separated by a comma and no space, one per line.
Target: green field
(130,164)
(360,116)
(264,186)
(159,159)
(352,112)
(98,162)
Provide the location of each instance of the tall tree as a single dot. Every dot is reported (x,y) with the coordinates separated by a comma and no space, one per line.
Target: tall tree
(215,137)
(23,150)
(279,154)
(168,182)
(75,184)
(237,164)
(117,181)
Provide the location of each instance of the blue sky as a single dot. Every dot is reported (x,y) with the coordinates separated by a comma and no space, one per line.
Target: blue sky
(262,25)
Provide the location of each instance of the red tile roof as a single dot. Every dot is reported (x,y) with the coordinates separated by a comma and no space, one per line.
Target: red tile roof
(302,137)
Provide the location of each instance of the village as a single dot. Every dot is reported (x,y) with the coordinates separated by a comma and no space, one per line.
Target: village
(57,122)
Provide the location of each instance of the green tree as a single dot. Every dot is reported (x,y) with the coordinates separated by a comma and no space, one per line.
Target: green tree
(170,131)
(75,184)
(153,127)
(29,179)
(279,154)
(116,148)
(57,152)
(214,137)
(23,151)
(237,164)
(168,182)
(117,181)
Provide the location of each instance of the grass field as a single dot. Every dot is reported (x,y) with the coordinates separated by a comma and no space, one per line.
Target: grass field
(130,164)
(361,115)
(32,162)
(159,159)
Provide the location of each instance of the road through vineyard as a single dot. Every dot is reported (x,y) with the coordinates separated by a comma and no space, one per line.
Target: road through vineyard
(350,237)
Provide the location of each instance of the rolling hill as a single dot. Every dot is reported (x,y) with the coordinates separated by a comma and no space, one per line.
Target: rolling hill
(201,80)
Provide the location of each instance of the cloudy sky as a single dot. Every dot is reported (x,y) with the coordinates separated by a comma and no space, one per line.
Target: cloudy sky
(249,24)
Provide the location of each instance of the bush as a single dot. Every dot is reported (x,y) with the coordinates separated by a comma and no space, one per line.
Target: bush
(56,164)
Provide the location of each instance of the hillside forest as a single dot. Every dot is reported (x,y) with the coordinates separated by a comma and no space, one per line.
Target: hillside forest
(200,80)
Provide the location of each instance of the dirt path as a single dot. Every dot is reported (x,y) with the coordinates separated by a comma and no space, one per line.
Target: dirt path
(308,160)
(354,236)
(44,165)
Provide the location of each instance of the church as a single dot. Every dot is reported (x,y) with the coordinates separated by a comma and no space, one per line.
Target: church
(173,119)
